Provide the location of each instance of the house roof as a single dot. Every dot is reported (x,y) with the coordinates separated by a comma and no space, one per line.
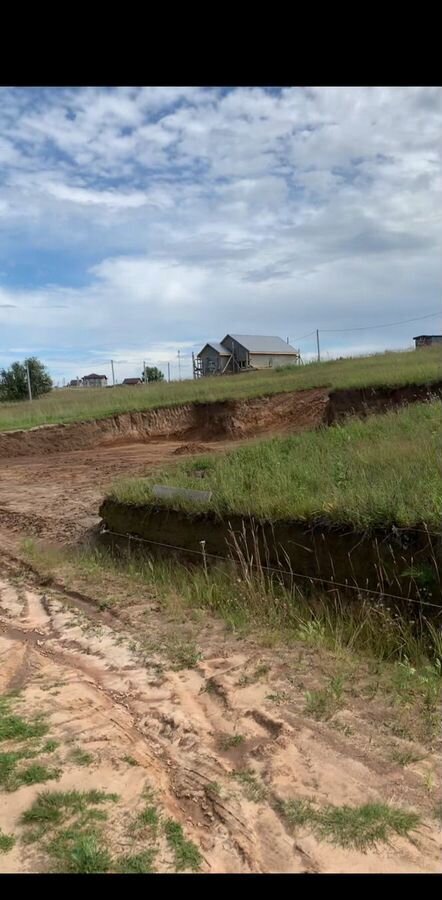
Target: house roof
(217,347)
(132,381)
(260,343)
(93,375)
(439,336)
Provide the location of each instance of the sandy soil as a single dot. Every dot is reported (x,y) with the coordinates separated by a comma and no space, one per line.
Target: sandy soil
(115,694)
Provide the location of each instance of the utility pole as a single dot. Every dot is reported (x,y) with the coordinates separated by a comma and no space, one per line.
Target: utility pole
(193,364)
(113,373)
(29,381)
(317,341)
(144,371)
(168,371)
(179,365)
(288,341)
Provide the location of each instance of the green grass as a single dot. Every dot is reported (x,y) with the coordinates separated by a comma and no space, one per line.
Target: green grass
(81,757)
(65,824)
(14,727)
(79,852)
(137,863)
(253,789)
(130,760)
(147,819)
(380,471)
(227,741)
(7,842)
(324,702)
(186,853)
(51,808)
(408,367)
(358,827)
(245,598)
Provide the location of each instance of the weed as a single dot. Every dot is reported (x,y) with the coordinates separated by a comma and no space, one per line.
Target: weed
(186,853)
(183,654)
(278,697)
(16,728)
(405,757)
(253,789)
(7,842)
(49,746)
(359,827)
(137,863)
(81,757)
(366,825)
(79,852)
(213,788)
(51,808)
(323,703)
(36,773)
(148,818)
(259,672)
(12,776)
(438,812)
(228,741)
(129,760)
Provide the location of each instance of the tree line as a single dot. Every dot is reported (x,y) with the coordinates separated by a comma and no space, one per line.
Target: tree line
(14,380)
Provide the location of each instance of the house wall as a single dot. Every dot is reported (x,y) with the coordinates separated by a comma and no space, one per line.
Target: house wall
(212,361)
(272,360)
(241,354)
(94,382)
(427,340)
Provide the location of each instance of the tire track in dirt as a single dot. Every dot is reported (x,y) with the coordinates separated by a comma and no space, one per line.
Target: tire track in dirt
(105,689)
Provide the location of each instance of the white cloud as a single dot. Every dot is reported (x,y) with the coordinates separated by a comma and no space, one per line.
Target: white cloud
(185,213)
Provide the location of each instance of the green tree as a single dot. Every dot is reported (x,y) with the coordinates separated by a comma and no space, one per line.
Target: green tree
(152,374)
(14,381)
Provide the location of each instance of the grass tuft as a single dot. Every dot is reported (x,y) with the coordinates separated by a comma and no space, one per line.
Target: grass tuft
(359,827)
(137,863)
(7,842)
(186,853)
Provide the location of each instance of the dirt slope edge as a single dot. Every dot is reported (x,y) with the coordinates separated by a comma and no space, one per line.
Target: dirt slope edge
(288,411)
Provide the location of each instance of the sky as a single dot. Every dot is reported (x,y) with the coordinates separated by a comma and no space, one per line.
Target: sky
(137,222)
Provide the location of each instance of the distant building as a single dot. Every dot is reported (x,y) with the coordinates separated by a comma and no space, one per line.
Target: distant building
(244,353)
(132,381)
(426,340)
(75,382)
(94,380)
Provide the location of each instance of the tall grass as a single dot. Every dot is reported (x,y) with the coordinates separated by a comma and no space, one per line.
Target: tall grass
(378,471)
(245,595)
(75,404)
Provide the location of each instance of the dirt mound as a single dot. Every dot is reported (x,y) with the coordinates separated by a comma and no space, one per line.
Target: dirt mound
(193,447)
(230,419)
(196,422)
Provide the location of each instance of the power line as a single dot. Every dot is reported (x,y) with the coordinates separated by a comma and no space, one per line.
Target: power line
(385,325)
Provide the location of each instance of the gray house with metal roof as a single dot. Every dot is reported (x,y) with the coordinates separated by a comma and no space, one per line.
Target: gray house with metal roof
(242,353)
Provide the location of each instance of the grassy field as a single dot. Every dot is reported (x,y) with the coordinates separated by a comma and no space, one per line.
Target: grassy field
(386,469)
(81,404)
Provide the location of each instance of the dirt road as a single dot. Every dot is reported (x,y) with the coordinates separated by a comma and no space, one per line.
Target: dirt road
(57,496)
(220,740)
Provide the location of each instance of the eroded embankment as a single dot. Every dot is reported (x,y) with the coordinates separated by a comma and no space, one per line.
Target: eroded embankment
(385,560)
(290,411)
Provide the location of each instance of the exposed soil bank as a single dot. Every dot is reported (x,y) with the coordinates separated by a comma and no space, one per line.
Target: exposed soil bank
(229,419)
(378,561)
